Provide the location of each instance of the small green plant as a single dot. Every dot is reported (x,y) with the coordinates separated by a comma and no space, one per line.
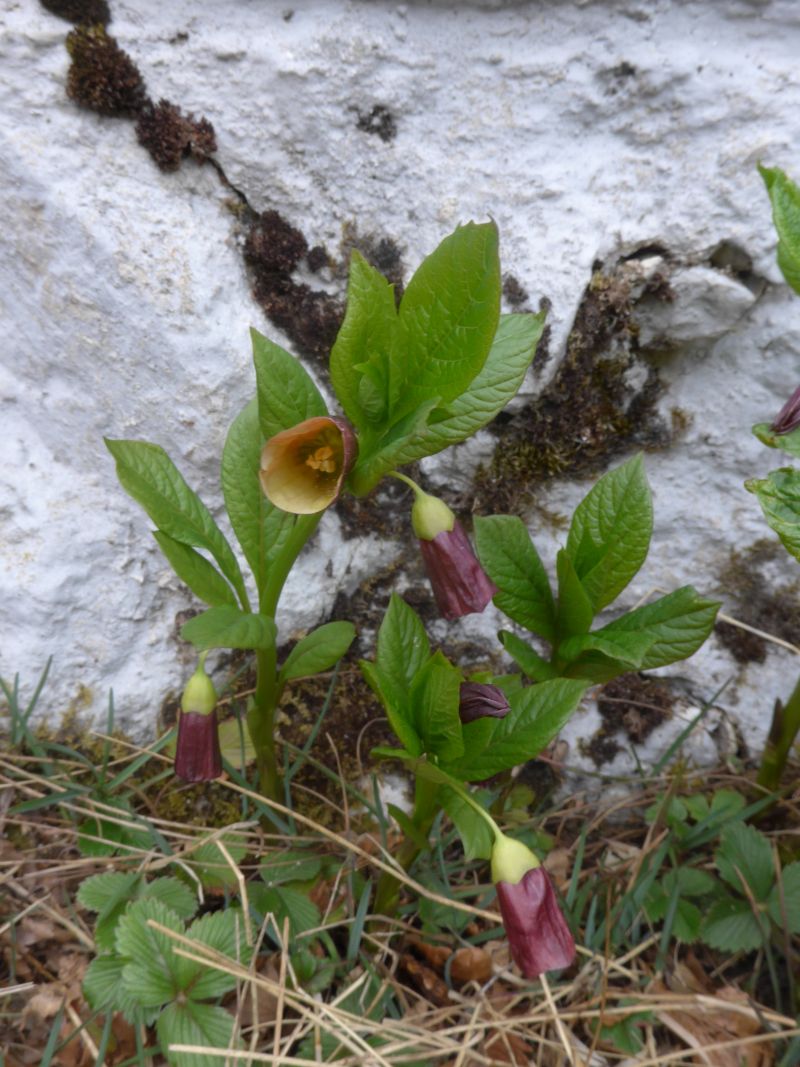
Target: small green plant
(607,543)
(139,972)
(779,493)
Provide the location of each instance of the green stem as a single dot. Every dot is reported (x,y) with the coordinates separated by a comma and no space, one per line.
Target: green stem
(387,895)
(783,731)
(409,482)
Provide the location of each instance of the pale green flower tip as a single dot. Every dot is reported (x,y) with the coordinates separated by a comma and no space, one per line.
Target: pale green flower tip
(430,516)
(199,696)
(511,860)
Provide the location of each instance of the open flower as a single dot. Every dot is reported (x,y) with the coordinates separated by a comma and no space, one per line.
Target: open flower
(197,752)
(788,418)
(460,585)
(478,699)
(537,932)
(303,469)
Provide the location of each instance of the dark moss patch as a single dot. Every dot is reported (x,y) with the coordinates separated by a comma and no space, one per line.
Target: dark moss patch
(91,12)
(102,77)
(634,704)
(514,292)
(316,259)
(744,646)
(169,135)
(379,121)
(378,250)
(273,245)
(601,748)
(590,412)
(760,600)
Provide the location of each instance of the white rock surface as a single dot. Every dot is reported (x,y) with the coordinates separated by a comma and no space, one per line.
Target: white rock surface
(581,128)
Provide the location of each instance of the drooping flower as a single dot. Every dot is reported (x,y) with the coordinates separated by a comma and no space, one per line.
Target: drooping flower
(537,931)
(788,418)
(303,468)
(479,699)
(460,585)
(197,752)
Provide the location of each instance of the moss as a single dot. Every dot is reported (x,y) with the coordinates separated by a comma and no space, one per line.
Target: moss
(380,251)
(92,12)
(759,601)
(379,121)
(169,135)
(588,414)
(635,704)
(514,292)
(101,76)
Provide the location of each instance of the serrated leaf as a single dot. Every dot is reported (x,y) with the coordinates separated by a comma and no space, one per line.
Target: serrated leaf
(148,475)
(786,442)
(779,497)
(260,527)
(745,851)
(402,645)
(285,902)
(434,702)
(537,714)
(105,991)
(173,893)
(190,1023)
(627,648)
(222,931)
(211,866)
(318,651)
(227,627)
(364,339)
(104,891)
(194,570)
(729,925)
(534,666)
(476,836)
(678,624)
(784,900)
(574,612)
(509,557)
(784,196)
(151,974)
(447,319)
(286,392)
(610,532)
(291,865)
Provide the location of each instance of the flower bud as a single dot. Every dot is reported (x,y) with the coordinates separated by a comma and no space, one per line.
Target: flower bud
(788,418)
(460,585)
(303,468)
(197,752)
(537,932)
(430,516)
(479,699)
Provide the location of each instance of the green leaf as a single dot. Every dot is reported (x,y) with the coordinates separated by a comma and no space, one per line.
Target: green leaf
(492,388)
(537,714)
(189,1023)
(285,902)
(402,646)
(447,320)
(610,532)
(779,497)
(363,344)
(677,624)
(194,570)
(746,852)
(261,529)
(787,916)
(534,666)
(434,700)
(105,991)
(390,450)
(286,392)
(222,931)
(509,557)
(291,865)
(211,866)
(475,834)
(173,893)
(227,627)
(729,925)
(148,475)
(786,442)
(397,703)
(151,974)
(575,612)
(318,651)
(628,648)
(785,198)
(102,892)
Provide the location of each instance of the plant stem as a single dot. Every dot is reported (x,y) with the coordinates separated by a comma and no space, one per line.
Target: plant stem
(783,730)
(387,895)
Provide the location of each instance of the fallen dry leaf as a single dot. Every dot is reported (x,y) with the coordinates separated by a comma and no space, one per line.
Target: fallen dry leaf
(707,1025)
(425,980)
(471,964)
(507,1047)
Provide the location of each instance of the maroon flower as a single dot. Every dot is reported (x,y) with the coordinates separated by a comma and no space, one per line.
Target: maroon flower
(788,418)
(537,932)
(479,699)
(460,585)
(197,753)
